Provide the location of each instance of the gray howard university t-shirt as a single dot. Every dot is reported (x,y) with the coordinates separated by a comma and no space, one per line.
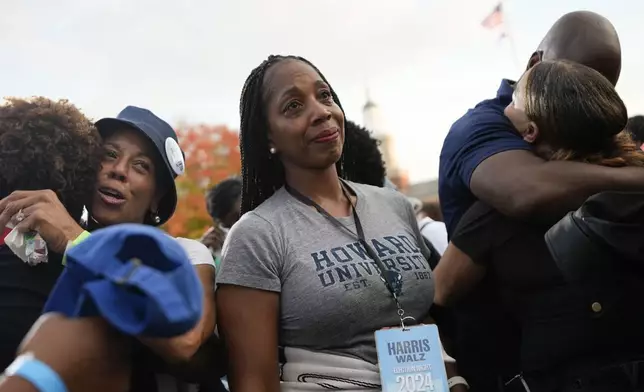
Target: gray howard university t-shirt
(332,298)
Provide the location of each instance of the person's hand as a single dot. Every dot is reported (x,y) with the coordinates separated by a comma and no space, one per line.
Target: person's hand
(40,211)
(87,353)
(214,238)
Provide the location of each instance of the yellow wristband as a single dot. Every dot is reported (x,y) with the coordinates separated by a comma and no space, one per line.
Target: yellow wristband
(81,237)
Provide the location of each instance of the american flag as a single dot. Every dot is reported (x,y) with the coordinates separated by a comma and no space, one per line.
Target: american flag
(495,18)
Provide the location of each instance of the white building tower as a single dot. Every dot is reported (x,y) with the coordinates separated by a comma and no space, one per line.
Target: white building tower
(375,122)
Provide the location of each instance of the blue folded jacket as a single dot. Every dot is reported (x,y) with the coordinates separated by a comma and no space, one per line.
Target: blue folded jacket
(136,277)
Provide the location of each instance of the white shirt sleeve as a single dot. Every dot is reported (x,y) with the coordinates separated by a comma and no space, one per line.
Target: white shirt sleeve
(436,233)
(197,252)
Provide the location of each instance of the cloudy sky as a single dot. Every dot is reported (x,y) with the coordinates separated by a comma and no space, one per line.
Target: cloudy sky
(423,61)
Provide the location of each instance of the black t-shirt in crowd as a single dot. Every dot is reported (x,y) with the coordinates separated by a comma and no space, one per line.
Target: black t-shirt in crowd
(23,292)
(561,324)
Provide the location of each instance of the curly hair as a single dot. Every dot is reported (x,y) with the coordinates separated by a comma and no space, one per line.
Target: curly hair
(364,149)
(47,144)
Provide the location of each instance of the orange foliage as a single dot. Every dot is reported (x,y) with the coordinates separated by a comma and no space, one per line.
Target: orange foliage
(212,155)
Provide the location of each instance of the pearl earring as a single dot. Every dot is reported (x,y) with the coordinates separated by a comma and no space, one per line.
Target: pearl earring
(155,218)
(273,150)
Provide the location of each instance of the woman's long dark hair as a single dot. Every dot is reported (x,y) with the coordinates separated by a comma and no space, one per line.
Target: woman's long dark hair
(262,173)
(579,114)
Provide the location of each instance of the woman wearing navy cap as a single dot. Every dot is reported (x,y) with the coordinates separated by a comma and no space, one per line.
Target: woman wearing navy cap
(135,185)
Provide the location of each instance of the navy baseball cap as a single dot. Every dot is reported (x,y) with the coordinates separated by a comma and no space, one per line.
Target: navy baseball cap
(164,139)
(136,277)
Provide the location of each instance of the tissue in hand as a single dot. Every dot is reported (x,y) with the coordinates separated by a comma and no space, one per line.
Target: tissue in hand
(29,246)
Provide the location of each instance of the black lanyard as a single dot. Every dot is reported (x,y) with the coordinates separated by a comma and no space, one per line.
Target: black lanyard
(391,279)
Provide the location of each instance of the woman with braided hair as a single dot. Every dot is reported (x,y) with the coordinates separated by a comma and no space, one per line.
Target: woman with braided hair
(301,270)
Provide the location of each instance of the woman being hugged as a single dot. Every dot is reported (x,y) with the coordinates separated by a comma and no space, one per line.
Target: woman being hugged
(569,335)
(47,147)
(295,273)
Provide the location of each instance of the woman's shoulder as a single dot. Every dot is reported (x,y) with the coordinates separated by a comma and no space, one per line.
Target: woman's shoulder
(253,230)
(254,221)
(272,206)
(383,197)
(197,252)
(375,191)
(273,215)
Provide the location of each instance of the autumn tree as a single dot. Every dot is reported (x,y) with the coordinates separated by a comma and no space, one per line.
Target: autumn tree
(212,155)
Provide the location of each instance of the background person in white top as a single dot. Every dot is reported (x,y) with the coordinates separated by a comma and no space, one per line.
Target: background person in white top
(223,202)
(430,222)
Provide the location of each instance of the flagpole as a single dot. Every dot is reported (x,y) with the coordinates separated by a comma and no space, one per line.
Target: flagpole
(513,50)
(507,32)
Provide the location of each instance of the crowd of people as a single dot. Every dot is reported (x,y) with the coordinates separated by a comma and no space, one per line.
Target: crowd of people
(529,263)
